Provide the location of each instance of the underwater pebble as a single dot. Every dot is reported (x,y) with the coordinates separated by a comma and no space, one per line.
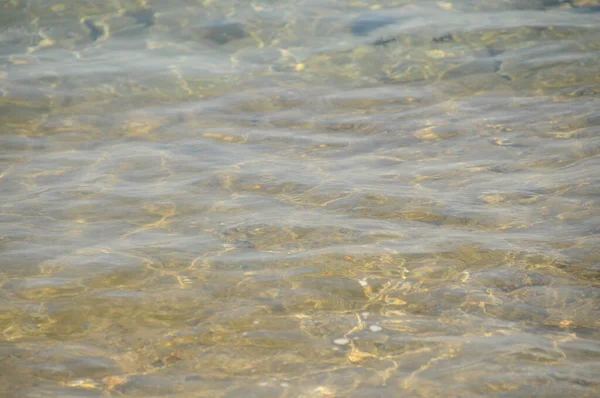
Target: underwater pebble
(503,142)
(375,328)
(363,282)
(365,314)
(285,385)
(341,341)
(83,383)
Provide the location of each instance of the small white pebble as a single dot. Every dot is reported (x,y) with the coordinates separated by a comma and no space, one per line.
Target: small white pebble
(263,383)
(363,282)
(285,385)
(341,341)
(375,328)
(256,322)
(245,334)
(365,314)
(356,338)
(336,348)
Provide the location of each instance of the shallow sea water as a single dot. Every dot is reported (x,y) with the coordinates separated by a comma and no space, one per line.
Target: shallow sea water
(299,198)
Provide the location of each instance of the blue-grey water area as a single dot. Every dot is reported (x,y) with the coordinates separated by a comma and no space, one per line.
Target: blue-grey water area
(204,198)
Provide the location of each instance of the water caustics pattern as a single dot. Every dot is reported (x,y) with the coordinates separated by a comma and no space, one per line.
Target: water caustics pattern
(204,198)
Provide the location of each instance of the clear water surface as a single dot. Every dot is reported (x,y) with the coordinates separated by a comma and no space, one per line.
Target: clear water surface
(299,198)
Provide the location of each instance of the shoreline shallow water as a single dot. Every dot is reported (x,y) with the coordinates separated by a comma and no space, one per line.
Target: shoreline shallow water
(299,199)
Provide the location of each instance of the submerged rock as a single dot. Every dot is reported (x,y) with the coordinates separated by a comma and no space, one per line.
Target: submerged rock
(95,31)
(141,16)
(383,42)
(587,10)
(443,38)
(365,24)
(224,32)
